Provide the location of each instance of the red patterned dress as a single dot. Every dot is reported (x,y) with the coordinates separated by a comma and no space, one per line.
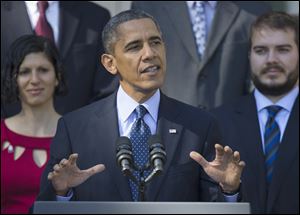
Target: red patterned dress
(20,169)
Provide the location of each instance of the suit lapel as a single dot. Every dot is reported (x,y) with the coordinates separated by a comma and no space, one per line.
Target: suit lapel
(167,113)
(107,114)
(67,29)
(225,14)
(24,25)
(288,150)
(251,149)
(179,16)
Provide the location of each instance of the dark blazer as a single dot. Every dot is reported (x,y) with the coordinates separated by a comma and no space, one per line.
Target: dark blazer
(79,44)
(240,130)
(92,133)
(223,74)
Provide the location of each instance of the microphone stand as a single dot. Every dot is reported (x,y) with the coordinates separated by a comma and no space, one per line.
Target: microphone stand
(143,181)
(142,189)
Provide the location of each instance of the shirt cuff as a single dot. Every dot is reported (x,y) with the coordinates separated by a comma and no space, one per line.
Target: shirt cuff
(65,198)
(231,198)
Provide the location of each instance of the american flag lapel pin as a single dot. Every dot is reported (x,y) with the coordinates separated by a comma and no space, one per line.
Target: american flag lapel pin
(172,131)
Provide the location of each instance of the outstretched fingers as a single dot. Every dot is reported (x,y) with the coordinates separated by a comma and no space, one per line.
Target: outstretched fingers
(50,176)
(199,159)
(95,169)
(57,168)
(242,164)
(228,154)
(63,162)
(73,158)
(219,152)
(236,157)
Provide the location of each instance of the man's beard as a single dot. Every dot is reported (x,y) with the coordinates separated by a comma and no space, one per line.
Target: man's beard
(276,89)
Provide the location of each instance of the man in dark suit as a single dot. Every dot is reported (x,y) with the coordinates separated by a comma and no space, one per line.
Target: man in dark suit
(271,179)
(222,73)
(77,33)
(135,52)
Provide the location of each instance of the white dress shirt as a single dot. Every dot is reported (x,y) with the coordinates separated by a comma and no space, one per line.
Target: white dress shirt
(283,115)
(52,15)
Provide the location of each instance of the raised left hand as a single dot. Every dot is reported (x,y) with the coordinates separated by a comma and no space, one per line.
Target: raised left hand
(226,168)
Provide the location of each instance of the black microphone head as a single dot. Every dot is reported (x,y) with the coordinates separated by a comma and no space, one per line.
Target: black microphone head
(124,153)
(155,141)
(123,143)
(157,152)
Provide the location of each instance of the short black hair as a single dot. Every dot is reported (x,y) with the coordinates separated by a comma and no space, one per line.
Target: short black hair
(19,49)
(278,21)
(110,34)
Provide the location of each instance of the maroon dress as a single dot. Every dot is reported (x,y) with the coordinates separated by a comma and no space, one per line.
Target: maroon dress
(20,176)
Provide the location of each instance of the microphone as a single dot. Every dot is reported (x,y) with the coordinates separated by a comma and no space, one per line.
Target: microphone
(157,154)
(124,155)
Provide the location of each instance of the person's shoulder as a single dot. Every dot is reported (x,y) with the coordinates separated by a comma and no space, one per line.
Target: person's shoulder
(144,5)
(5,129)
(229,108)
(254,7)
(89,8)
(2,125)
(187,111)
(9,5)
(91,110)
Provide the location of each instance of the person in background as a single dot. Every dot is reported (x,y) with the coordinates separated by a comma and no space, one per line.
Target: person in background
(75,27)
(264,126)
(33,75)
(207,48)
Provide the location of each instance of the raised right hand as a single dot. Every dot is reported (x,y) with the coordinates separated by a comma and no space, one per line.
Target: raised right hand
(66,174)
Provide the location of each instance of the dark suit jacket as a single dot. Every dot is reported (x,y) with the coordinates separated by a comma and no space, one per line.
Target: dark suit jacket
(79,44)
(223,74)
(92,133)
(240,130)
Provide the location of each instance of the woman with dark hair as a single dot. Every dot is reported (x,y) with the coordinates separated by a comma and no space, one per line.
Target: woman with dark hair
(33,75)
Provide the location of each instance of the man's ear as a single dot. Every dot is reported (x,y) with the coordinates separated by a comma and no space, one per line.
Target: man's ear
(108,62)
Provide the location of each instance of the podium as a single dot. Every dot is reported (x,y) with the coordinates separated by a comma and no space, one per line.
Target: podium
(82,207)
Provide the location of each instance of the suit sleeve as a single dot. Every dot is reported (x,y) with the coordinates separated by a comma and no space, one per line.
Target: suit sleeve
(210,190)
(60,148)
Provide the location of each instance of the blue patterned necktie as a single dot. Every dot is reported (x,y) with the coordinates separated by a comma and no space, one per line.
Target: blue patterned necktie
(272,140)
(139,135)
(199,26)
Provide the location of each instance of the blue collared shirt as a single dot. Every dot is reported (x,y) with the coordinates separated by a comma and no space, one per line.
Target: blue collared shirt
(283,115)
(126,106)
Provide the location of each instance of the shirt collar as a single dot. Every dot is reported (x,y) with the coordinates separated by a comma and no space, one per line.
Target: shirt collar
(126,105)
(213,4)
(32,6)
(285,102)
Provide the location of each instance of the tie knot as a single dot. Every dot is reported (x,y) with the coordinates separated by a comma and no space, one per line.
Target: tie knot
(141,111)
(273,110)
(42,6)
(199,5)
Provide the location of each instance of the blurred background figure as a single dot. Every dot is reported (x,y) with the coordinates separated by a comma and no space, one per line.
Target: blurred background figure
(207,48)
(75,27)
(264,126)
(32,75)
